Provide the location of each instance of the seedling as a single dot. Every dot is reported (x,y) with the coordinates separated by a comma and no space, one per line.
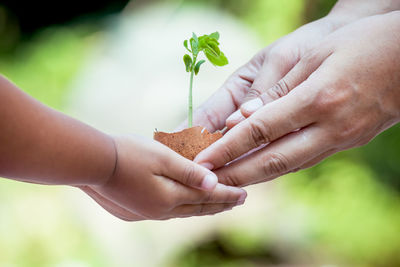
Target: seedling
(189,142)
(208,44)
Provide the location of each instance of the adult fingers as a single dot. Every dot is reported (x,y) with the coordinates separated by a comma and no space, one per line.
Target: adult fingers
(281,87)
(278,158)
(268,87)
(110,206)
(213,113)
(274,120)
(234,119)
(201,209)
(273,69)
(222,194)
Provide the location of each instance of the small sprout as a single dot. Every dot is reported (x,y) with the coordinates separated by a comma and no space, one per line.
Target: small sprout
(209,45)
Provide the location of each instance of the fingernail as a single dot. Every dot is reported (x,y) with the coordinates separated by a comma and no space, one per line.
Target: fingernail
(252,106)
(207,165)
(209,182)
(241,200)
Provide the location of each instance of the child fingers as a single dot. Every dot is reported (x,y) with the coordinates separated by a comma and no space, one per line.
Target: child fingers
(222,194)
(188,173)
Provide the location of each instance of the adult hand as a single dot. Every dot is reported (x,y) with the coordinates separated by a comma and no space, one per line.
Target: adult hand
(262,73)
(153,182)
(338,96)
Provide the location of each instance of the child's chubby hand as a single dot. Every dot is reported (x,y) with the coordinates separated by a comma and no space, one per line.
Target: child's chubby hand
(153,182)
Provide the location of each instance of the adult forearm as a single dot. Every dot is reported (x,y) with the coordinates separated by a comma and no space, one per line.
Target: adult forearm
(41,145)
(348,11)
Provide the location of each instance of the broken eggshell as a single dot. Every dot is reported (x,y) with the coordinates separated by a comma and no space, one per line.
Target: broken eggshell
(188,142)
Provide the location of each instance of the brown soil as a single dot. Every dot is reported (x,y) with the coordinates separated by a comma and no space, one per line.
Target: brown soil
(188,142)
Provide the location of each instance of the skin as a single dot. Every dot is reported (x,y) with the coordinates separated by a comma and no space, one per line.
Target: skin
(149,183)
(262,76)
(264,71)
(131,177)
(340,95)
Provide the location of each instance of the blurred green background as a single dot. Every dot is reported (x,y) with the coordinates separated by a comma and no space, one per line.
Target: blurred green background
(347,208)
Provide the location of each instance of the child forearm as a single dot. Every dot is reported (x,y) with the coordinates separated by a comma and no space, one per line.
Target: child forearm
(41,145)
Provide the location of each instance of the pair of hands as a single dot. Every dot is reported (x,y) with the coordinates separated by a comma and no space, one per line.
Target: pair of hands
(305,99)
(312,93)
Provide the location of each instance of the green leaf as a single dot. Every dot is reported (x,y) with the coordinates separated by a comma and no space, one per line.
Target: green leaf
(194,36)
(195,46)
(205,41)
(217,60)
(185,44)
(209,45)
(215,35)
(213,48)
(197,67)
(188,62)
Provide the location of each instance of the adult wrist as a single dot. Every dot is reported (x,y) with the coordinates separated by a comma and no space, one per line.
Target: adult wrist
(348,11)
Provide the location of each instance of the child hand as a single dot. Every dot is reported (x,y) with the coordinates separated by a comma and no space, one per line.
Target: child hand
(153,182)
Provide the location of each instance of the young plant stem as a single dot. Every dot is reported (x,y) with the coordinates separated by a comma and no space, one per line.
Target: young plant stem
(190,117)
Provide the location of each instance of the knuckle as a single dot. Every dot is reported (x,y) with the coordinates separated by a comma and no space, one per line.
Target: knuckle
(231,181)
(344,130)
(228,154)
(278,54)
(324,103)
(211,116)
(253,93)
(346,134)
(279,90)
(260,132)
(333,97)
(189,176)
(274,164)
